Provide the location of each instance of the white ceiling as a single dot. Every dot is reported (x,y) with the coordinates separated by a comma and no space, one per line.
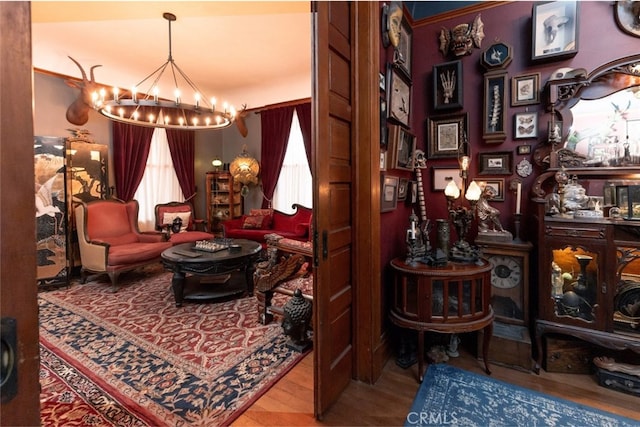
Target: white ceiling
(245,52)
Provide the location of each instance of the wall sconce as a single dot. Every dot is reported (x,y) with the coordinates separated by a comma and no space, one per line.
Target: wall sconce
(217,164)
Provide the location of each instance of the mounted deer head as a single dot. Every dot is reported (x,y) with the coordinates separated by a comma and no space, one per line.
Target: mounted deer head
(78,111)
(242,127)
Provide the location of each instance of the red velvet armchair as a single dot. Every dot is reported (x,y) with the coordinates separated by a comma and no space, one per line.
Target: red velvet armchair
(110,240)
(167,213)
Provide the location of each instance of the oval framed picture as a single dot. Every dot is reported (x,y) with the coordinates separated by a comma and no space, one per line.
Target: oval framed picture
(627,15)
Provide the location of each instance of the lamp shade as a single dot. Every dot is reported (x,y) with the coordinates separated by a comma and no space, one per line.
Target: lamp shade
(244,168)
(473,192)
(452,190)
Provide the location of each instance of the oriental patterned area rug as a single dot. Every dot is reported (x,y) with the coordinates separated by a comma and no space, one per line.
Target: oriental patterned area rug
(451,396)
(132,358)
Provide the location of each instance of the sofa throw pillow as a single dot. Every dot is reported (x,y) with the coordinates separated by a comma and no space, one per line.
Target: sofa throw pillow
(169,217)
(266,213)
(253,222)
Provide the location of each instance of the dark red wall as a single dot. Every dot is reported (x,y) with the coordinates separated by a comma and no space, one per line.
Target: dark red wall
(599,41)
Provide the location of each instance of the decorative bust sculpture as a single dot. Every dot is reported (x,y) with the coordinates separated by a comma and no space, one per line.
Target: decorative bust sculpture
(296,322)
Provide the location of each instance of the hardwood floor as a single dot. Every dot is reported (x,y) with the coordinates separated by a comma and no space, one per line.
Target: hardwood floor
(386,403)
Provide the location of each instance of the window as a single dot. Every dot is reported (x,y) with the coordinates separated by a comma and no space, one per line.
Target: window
(295,184)
(159,183)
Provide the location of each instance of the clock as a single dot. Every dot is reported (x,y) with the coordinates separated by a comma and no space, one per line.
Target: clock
(497,56)
(506,272)
(399,97)
(509,279)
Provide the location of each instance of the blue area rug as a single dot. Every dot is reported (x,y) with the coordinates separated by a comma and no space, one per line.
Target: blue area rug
(451,396)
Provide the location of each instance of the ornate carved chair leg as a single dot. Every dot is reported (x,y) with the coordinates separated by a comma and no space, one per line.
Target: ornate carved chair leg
(264,302)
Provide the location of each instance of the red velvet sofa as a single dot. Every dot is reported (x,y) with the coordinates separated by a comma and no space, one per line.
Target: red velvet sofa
(261,222)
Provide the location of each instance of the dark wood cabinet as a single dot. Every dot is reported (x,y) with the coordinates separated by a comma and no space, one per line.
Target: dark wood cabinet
(224,200)
(589,272)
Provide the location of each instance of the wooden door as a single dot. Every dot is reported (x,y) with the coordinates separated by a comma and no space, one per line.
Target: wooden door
(18,303)
(333,194)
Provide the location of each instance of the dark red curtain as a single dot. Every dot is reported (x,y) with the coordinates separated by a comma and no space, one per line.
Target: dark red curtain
(304,117)
(276,126)
(182,148)
(130,151)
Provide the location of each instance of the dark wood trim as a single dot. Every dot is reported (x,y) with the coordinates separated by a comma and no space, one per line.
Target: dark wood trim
(258,110)
(368,321)
(18,291)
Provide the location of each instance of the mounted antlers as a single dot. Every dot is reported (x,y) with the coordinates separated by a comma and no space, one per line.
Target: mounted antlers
(242,127)
(78,111)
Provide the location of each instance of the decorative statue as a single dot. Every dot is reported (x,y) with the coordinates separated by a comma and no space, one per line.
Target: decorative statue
(297,320)
(462,38)
(488,216)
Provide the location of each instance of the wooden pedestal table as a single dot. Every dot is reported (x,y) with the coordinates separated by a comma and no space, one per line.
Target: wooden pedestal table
(419,294)
(194,271)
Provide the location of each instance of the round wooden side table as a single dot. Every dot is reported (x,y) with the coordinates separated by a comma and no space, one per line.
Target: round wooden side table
(419,296)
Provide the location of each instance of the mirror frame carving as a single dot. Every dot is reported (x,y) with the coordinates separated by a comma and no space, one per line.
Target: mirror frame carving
(562,94)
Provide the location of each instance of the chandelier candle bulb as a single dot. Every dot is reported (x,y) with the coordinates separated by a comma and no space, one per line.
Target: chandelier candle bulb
(213,105)
(177,93)
(134,94)
(197,96)
(116,91)
(155,94)
(518,197)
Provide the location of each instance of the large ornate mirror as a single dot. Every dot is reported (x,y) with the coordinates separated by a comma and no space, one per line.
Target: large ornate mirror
(598,117)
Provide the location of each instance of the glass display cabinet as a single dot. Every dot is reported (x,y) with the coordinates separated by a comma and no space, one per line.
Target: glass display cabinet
(588,234)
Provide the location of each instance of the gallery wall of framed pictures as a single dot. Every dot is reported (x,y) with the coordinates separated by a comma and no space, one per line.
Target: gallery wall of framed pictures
(492,95)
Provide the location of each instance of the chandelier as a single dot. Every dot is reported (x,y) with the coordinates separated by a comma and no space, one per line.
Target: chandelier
(147,108)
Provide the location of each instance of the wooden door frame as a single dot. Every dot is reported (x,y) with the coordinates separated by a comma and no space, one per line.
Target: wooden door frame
(18,290)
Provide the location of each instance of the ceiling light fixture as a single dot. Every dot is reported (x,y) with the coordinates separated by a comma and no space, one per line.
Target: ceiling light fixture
(148,109)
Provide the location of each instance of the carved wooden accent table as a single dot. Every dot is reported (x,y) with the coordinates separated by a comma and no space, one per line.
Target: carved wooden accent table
(421,290)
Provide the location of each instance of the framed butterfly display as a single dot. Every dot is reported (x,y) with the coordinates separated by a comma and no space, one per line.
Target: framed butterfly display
(525,125)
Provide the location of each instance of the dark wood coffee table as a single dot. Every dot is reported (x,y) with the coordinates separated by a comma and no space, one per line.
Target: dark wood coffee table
(202,275)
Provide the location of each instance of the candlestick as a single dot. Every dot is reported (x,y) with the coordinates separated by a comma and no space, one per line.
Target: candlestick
(518,197)
(516,225)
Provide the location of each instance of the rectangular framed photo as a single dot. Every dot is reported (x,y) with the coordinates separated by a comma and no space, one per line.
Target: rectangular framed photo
(447,85)
(402,55)
(498,186)
(383,122)
(525,89)
(524,149)
(498,163)
(383,160)
(392,145)
(554,131)
(441,175)
(446,134)
(403,189)
(493,129)
(398,96)
(525,125)
(406,144)
(388,192)
(554,30)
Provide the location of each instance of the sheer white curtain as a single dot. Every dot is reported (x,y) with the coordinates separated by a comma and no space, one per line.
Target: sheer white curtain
(295,183)
(159,183)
